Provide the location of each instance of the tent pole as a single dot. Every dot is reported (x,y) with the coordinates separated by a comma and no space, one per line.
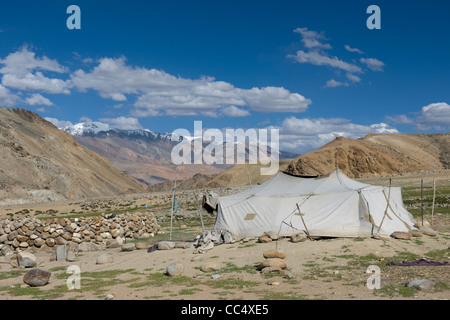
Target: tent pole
(434,196)
(301,216)
(421,198)
(171,212)
(387,205)
(199,212)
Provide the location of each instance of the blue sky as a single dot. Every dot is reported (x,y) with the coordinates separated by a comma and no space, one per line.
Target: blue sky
(312,69)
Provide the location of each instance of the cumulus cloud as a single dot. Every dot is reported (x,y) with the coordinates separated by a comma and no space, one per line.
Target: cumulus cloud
(124,123)
(233,111)
(59,123)
(37,99)
(305,134)
(22,70)
(160,93)
(432,116)
(24,61)
(7,98)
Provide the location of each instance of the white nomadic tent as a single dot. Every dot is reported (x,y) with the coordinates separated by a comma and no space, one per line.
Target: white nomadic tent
(331,206)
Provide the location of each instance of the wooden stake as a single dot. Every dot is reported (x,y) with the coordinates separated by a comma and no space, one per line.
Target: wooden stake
(171,212)
(387,205)
(301,216)
(434,196)
(421,198)
(199,212)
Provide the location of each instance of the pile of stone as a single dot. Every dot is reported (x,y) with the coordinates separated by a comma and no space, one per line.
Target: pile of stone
(274,263)
(22,233)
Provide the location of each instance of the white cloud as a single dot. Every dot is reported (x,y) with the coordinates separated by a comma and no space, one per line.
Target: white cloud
(350,49)
(311,39)
(36,81)
(433,116)
(372,63)
(353,78)
(303,134)
(24,61)
(23,71)
(7,98)
(124,123)
(59,123)
(316,55)
(333,84)
(37,99)
(233,111)
(320,59)
(160,93)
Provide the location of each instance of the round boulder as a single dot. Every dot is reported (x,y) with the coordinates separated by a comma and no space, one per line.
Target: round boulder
(37,277)
(174,269)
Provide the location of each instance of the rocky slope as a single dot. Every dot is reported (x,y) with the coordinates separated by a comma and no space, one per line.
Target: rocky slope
(38,163)
(377,154)
(237,176)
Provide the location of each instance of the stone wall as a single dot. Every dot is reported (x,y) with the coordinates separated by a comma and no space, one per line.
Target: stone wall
(22,233)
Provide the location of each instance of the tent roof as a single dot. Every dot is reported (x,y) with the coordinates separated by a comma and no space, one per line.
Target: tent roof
(283,184)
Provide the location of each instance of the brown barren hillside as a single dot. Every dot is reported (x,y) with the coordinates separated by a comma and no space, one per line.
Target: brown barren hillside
(39,163)
(236,176)
(377,154)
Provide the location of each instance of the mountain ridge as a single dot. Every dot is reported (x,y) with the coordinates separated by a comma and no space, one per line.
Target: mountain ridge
(41,163)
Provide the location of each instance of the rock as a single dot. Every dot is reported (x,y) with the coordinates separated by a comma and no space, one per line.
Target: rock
(128,247)
(422,285)
(299,237)
(115,233)
(210,266)
(105,258)
(109,296)
(401,235)
(166,245)
(37,277)
(274,254)
(39,242)
(6,251)
(112,243)
(3,238)
(50,242)
(273,262)
(273,235)
(381,237)
(174,269)
(72,256)
(87,247)
(141,245)
(416,233)
(23,245)
(427,231)
(267,270)
(26,259)
(12,235)
(265,239)
(61,252)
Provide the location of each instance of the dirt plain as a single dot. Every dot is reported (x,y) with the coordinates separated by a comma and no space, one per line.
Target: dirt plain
(325,269)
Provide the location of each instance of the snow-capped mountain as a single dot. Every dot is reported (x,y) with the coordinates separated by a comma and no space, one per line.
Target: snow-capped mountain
(99,128)
(86,128)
